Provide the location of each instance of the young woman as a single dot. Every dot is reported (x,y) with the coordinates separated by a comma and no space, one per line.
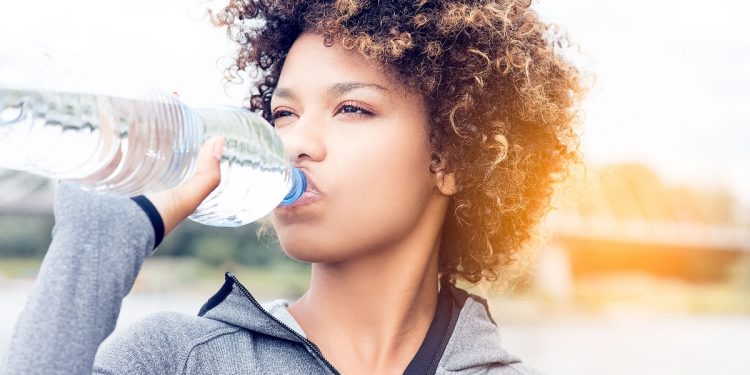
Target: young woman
(430,132)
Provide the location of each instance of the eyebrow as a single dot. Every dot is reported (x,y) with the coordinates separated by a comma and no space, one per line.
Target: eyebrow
(334,90)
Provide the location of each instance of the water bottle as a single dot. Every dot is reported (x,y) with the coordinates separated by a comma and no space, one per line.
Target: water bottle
(139,144)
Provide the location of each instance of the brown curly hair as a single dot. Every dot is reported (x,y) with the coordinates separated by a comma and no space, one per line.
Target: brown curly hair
(502,99)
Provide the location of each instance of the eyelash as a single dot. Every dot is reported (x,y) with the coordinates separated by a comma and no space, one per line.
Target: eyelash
(276,115)
(358,111)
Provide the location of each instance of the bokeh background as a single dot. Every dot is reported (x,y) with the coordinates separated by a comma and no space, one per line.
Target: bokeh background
(646,263)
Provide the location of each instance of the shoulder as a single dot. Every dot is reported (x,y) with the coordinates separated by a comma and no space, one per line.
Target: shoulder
(475,345)
(159,343)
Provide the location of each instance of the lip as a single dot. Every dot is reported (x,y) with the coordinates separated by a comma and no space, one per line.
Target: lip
(306,198)
(310,195)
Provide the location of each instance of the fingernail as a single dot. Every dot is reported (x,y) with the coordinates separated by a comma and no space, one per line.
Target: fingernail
(218,149)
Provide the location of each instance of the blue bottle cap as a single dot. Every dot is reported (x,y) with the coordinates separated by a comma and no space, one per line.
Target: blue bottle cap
(299,185)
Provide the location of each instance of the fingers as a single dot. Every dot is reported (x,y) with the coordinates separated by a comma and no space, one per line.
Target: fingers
(207,173)
(176,204)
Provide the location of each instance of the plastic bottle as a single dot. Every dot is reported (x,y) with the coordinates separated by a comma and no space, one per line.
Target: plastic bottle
(131,146)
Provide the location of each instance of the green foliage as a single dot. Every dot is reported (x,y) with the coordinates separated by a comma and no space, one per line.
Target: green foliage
(217,246)
(25,236)
(29,237)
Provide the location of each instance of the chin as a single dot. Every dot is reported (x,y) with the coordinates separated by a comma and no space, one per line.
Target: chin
(306,249)
(317,244)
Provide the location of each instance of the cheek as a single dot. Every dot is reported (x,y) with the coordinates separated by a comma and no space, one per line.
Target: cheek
(387,184)
(396,175)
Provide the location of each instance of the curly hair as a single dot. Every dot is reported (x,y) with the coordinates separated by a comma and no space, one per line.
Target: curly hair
(502,99)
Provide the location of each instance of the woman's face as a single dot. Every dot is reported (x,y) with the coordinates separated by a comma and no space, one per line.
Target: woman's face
(362,140)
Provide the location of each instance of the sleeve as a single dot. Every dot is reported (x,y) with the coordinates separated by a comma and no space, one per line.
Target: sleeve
(153,215)
(151,345)
(98,245)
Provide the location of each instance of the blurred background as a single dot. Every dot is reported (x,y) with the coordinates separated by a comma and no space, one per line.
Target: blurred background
(646,266)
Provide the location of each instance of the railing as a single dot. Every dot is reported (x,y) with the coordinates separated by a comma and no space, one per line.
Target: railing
(656,232)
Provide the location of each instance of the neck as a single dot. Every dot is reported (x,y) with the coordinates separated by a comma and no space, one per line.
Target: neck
(374,311)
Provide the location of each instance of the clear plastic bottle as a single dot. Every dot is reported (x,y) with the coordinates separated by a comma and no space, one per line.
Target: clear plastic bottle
(129,146)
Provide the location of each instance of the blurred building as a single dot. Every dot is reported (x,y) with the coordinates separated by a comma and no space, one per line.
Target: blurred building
(622,218)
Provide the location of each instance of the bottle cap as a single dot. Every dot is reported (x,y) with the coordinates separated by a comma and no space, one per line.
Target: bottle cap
(299,185)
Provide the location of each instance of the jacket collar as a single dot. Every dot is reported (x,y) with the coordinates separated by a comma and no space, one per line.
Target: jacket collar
(462,337)
(234,305)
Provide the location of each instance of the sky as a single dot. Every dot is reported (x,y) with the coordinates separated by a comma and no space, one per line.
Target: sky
(670,79)
(671,85)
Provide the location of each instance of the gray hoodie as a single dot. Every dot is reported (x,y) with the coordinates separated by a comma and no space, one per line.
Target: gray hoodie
(99,243)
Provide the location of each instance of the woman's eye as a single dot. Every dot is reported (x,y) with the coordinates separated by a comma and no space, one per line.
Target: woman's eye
(354,109)
(278,115)
(282,113)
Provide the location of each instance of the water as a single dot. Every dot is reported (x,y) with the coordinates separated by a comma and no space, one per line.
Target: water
(140,144)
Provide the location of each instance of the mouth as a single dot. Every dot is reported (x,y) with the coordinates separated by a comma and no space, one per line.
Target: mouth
(310,195)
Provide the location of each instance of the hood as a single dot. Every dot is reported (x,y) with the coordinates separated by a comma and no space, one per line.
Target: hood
(462,337)
(475,340)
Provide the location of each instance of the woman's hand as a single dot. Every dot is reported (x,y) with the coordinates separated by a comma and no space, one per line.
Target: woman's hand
(177,203)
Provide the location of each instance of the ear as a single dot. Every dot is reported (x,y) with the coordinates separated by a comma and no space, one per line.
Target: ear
(446,183)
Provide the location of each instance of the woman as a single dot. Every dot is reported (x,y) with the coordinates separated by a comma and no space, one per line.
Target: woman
(430,132)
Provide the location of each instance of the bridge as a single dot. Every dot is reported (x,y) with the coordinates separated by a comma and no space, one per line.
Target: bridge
(623,218)
(628,203)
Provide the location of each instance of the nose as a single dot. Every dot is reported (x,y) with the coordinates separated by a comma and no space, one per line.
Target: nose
(304,140)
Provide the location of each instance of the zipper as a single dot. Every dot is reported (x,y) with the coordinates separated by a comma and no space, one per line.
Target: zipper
(444,340)
(310,345)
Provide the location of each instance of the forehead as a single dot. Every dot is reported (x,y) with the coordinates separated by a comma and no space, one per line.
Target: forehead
(310,64)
